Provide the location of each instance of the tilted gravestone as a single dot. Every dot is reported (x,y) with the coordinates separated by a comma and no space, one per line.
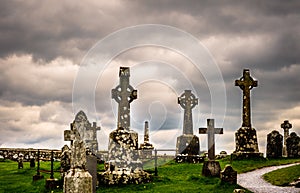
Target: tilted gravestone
(146,147)
(245,137)
(286,126)
(124,167)
(77,178)
(274,145)
(229,175)
(293,145)
(211,167)
(187,146)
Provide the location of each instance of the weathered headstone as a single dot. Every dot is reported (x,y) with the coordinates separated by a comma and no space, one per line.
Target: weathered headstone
(146,147)
(20,161)
(293,145)
(124,167)
(187,144)
(91,164)
(245,137)
(77,179)
(286,126)
(65,162)
(211,167)
(32,162)
(87,131)
(229,175)
(274,145)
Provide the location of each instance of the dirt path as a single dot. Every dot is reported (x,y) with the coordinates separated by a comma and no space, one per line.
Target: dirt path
(254,182)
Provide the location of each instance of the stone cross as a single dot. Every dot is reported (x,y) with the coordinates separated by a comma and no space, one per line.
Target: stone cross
(124,94)
(188,101)
(211,131)
(146,132)
(246,83)
(78,150)
(286,126)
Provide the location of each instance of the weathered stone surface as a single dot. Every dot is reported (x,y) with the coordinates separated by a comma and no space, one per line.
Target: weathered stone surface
(211,131)
(229,175)
(91,165)
(246,140)
(187,146)
(77,178)
(65,163)
(211,168)
(286,126)
(28,153)
(189,158)
(274,145)
(245,137)
(293,145)
(78,181)
(146,147)
(87,131)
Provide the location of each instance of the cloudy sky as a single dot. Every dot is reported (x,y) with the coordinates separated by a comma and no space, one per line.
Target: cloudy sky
(44,46)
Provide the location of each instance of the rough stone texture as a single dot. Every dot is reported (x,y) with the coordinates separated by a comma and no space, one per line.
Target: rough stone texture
(78,181)
(187,145)
(274,145)
(286,126)
(189,158)
(146,147)
(229,175)
(91,165)
(246,140)
(293,145)
(211,131)
(123,150)
(211,168)
(28,153)
(87,131)
(77,178)
(124,94)
(65,163)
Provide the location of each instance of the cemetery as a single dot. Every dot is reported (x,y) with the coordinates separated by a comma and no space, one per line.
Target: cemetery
(132,165)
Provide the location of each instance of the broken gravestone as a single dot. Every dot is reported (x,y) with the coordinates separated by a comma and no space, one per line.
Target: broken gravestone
(229,175)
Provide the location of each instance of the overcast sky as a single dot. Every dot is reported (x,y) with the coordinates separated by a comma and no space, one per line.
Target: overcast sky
(43,44)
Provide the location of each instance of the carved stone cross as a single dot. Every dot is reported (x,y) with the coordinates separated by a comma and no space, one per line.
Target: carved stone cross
(286,126)
(211,131)
(246,83)
(187,101)
(124,94)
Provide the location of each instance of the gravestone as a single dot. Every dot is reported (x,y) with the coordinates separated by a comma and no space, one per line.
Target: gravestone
(293,146)
(65,162)
(229,175)
(87,131)
(52,183)
(77,178)
(20,161)
(274,145)
(32,162)
(91,164)
(187,146)
(211,167)
(286,126)
(123,166)
(146,147)
(245,137)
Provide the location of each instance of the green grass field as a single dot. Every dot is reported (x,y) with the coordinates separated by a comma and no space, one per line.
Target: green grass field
(172,177)
(283,176)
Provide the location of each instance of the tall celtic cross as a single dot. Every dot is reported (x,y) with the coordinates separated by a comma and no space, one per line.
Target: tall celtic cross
(246,83)
(286,126)
(124,94)
(211,131)
(187,101)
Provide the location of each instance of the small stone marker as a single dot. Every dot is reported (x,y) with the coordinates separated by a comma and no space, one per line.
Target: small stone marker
(32,162)
(293,146)
(211,167)
(77,179)
(20,161)
(187,146)
(229,175)
(286,126)
(274,145)
(52,183)
(146,147)
(245,137)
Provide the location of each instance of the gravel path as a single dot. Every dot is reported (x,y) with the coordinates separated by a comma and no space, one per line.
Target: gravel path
(254,182)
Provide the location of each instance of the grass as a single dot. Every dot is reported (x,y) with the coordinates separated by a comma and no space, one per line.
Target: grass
(284,176)
(172,177)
